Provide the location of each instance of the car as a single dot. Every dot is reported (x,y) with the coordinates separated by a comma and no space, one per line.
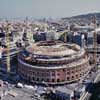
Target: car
(19,85)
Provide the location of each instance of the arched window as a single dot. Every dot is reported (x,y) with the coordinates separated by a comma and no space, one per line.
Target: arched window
(47,80)
(72,71)
(72,77)
(76,75)
(53,73)
(68,78)
(53,80)
(33,79)
(80,75)
(37,79)
(58,80)
(42,79)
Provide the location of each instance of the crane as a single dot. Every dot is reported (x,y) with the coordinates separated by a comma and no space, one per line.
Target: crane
(94,21)
(8,46)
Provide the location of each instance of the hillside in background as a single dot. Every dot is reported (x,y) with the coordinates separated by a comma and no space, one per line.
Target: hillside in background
(85,18)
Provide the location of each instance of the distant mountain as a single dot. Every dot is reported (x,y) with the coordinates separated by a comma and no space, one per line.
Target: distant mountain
(82,19)
(87,16)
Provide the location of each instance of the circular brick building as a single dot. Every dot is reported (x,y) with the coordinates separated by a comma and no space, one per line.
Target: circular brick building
(53,62)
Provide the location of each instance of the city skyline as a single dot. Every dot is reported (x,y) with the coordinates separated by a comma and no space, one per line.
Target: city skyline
(47,8)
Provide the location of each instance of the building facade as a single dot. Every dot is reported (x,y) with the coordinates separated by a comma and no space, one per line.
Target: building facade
(53,62)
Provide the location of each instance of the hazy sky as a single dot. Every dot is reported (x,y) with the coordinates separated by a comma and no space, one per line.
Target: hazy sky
(47,8)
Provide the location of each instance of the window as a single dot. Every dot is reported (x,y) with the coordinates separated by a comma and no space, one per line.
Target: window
(48,74)
(72,71)
(68,72)
(42,79)
(58,80)
(43,74)
(53,73)
(64,70)
(72,77)
(76,75)
(53,80)
(47,80)
(29,77)
(58,74)
(68,78)
(37,79)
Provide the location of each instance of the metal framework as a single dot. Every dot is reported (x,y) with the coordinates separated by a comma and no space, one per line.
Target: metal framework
(94,21)
(8,46)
